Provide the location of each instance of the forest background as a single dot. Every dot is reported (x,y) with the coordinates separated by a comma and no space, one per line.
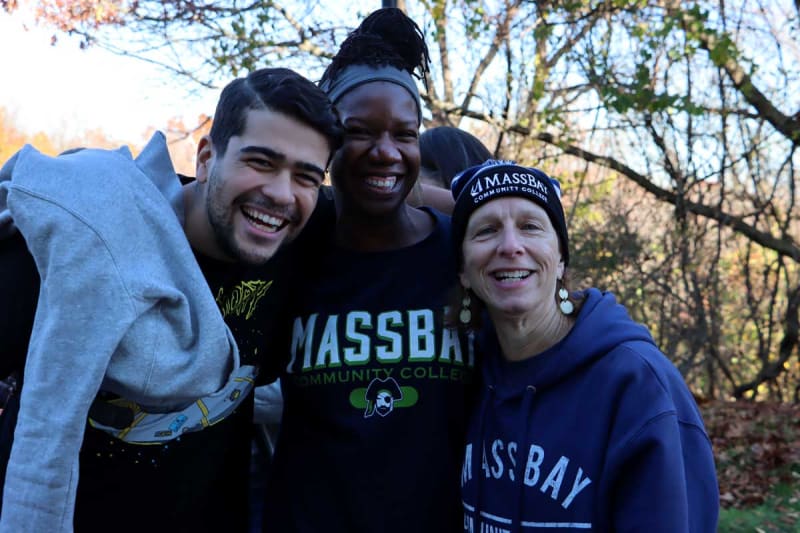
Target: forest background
(674,127)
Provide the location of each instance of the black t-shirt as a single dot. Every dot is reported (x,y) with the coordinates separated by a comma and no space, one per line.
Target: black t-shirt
(375,394)
(19,292)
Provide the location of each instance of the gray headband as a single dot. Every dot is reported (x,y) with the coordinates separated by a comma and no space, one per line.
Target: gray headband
(356,75)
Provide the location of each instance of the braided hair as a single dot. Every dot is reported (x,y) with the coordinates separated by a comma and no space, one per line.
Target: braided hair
(387,37)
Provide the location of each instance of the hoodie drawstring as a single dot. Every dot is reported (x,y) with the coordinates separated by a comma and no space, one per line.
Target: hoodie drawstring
(522,438)
(490,398)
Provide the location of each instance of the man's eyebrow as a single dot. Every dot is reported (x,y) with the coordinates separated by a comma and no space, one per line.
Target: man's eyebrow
(311,167)
(278,156)
(263,150)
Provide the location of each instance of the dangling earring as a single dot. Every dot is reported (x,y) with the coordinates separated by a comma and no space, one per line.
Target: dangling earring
(565,305)
(465,316)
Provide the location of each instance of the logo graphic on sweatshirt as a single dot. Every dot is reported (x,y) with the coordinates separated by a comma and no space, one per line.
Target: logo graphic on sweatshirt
(244,298)
(381,396)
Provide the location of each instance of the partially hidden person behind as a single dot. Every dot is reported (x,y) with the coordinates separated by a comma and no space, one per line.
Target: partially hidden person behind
(375,389)
(446,151)
(581,422)
(152,313)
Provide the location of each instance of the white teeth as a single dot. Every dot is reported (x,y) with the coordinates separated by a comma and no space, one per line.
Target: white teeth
(512,275)
(271,223)
(382,183)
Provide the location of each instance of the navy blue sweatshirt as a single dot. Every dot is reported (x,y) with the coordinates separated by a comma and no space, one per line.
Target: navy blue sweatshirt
(597,433)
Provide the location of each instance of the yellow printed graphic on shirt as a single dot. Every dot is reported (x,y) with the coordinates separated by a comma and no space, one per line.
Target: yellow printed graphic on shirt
(244,298)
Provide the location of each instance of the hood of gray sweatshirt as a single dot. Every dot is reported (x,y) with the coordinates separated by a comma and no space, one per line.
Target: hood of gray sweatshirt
(123,307)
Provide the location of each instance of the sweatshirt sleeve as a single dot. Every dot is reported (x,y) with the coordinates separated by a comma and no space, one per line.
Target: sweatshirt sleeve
(666,481)
(82,313)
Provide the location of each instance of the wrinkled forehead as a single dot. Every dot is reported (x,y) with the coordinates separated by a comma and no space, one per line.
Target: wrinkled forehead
(508,207)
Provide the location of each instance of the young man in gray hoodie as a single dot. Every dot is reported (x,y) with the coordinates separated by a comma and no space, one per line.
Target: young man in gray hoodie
(127,334)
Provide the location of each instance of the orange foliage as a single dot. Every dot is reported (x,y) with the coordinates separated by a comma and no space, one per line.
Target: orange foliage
(182,140)
(12,139)
(72,15)
(96,138)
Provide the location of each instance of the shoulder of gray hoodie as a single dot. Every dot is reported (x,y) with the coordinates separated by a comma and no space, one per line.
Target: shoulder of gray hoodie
(123,307)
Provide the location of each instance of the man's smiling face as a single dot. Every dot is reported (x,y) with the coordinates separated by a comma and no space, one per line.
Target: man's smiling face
(262,190)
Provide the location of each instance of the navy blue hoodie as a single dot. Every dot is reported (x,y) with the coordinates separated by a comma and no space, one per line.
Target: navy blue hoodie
(597,433)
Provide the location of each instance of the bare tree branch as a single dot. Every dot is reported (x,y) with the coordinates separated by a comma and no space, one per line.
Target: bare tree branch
(787,125)
(788,345)
(499,38)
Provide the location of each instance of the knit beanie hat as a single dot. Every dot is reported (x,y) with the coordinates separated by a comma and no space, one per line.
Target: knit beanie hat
(494,179)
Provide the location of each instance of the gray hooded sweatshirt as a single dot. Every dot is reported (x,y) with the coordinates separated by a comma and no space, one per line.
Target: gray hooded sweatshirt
(123,307)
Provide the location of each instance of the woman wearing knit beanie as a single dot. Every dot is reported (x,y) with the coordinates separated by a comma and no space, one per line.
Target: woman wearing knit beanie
(581,422)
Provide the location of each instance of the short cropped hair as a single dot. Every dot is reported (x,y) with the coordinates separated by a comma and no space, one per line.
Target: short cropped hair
(281,90)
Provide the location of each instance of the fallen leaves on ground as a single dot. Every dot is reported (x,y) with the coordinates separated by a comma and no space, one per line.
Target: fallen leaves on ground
(756,444)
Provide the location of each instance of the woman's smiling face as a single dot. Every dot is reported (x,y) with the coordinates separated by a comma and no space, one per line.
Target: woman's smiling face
(378,164)
(511,257)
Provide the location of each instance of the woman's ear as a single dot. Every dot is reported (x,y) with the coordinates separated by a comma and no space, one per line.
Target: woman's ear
(205,154)
(561,268)
(464,280)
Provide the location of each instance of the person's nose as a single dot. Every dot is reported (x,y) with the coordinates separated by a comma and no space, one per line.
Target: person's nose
(385,149)
(510,244)
(279,188)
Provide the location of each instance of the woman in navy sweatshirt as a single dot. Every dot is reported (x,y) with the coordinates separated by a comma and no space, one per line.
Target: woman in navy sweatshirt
(582,423)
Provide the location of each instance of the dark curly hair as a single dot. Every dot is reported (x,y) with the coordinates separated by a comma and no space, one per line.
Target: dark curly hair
(386,37)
